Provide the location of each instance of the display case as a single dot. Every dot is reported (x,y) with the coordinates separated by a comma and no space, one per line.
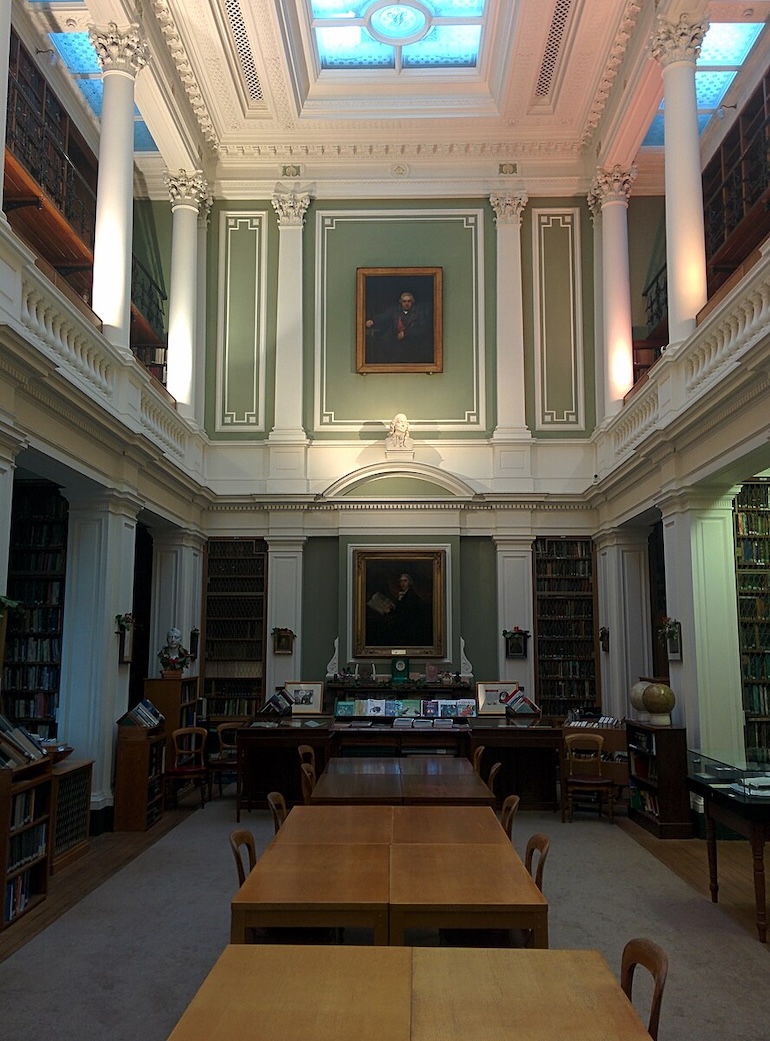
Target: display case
(736,778)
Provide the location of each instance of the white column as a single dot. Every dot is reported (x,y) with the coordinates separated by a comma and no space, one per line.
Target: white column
(284,608)
(699,554)
(199,369)
(624,609)
(11,444)
(515,599)
(188,192)
(609,192)
(122,53)
(101,541)
(177,590)
(511,412)
(5,52)
(290,208)
(676,47)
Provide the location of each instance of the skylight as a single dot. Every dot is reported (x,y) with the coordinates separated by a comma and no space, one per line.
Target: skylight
(725,47)
(378,34)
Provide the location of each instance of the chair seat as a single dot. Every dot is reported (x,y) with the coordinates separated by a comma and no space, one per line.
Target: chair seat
(590,782)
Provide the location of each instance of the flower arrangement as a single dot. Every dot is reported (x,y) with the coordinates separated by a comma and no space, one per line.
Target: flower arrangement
(125,621)
(6,604)
(516,631)
(669,630)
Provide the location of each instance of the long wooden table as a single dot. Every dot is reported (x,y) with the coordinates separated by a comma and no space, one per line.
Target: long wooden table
(390,869)
(426,780)
(263,992)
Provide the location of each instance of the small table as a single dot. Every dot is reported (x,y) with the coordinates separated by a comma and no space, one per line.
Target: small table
(406,994)
(463,886)
(310,885)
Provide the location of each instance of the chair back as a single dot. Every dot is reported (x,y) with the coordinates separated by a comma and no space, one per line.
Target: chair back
(583,753)
(189,744)
(478,755)
(510,807)
(540,844)
(308,782)
(277,805)
(307,754)
(653,958)
(493,772)
(227,740)
(241,839)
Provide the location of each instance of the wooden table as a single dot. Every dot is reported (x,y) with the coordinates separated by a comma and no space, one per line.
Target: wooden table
(463,886)
(263,992)
(297,885)
(425,779)
(306,825)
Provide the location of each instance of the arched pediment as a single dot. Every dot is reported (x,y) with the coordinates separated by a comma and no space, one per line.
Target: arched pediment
(399,480)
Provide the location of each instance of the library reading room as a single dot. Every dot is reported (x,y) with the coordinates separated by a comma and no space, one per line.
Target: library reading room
(384,520)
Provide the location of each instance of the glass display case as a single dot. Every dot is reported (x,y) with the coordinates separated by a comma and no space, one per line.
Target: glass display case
(728,774)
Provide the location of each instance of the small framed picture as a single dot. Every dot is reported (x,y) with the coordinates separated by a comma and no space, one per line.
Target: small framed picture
(674,642)
(493,697)
(516,645)
(307,697)
(283,641)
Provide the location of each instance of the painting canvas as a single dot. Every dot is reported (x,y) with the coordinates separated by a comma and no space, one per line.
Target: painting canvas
(399,602)
(399,319)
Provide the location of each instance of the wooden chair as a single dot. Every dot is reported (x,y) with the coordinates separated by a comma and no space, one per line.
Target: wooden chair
(493,772)
(478,755)
(655,960)
(308,782)
(508,813)
(277,805)
(582,773)
(224,760)
(241,840)
(188,765)
(540,844)
(307,755)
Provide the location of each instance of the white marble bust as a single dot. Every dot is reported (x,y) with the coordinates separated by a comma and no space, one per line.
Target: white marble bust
(398,433)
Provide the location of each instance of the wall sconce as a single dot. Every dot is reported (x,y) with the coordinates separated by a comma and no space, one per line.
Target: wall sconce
(49,51)
(722,110)
(195,635)
(283,641)
(604,638)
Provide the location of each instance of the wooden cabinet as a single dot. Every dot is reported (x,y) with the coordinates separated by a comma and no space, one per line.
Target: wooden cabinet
(25,819)
(36,571)
(139,777)
(176,698)
(70,811)
(234,630)
(565,629)
(752,574)
(658,798)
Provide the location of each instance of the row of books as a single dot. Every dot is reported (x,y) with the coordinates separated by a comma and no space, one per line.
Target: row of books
(412,708)
(31,677)
(17,747)
(34,648)
(143,714)
(17,893)
(752,523)
(27,846)
(36,706)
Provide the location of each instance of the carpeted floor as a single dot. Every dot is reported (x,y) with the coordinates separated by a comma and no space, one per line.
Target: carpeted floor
(125,961)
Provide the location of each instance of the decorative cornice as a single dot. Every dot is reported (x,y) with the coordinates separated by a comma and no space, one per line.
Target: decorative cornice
(681,42)
(508,207)
(368,505)
(617,53)
(188,189)
(119,50)
(290,207)
(278,151)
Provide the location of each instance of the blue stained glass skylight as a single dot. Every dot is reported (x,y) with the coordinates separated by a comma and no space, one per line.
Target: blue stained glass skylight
(413,34)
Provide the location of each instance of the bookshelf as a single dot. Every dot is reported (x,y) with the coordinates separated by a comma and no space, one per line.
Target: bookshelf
(70,811)
(36,572)
(139,776)
(234,640)
(25,808)
(565,631)
(751,515)
(658,797)
(176,698)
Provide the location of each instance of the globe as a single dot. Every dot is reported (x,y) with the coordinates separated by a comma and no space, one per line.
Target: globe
(659,699)
(635,697)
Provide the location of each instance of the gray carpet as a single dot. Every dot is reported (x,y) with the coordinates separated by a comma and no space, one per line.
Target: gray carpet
(124,963)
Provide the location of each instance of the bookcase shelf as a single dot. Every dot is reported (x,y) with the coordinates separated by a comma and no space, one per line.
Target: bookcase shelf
(36,573)
(176,698)
(25,817)
(657,780)
(565,631)
(752,574)
(234,629)
(139,777)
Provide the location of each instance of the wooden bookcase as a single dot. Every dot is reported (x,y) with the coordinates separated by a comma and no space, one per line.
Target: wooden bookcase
(658,797)
(70,811)
(752,574)
(36,571)
(139,777)
(25,819)
(566,634)
(176,698)
(234,629)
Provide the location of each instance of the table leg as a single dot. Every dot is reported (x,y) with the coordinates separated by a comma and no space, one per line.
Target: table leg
(539,932)
(711,849)
(757,849)
(237,926)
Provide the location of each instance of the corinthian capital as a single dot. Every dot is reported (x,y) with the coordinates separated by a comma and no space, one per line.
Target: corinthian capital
(187,189)
(509,208)
(122,50)
(680,42)
(291,207)
(610,186)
